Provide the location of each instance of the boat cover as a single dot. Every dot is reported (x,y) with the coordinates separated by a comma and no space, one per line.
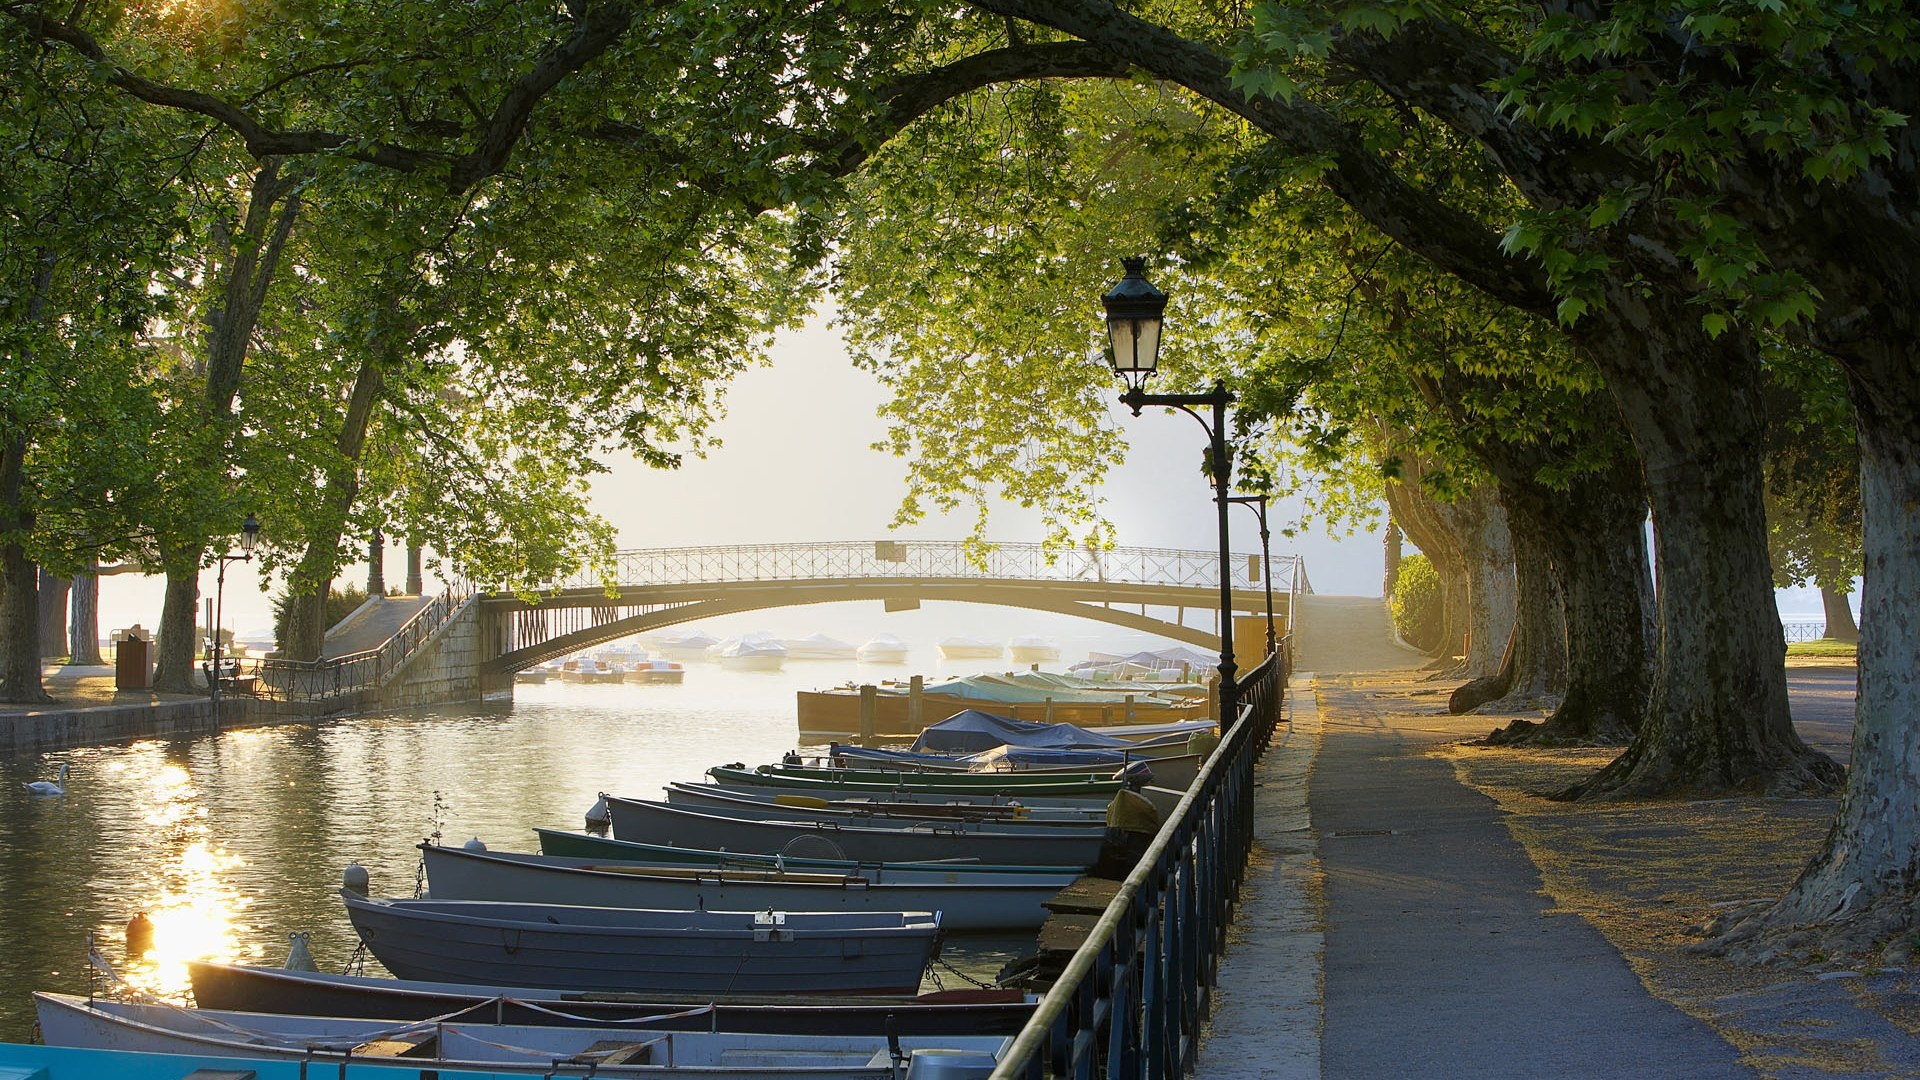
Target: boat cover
(973,731)
(997,758)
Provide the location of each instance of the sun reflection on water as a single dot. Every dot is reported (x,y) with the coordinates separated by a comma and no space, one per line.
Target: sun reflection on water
(190,902)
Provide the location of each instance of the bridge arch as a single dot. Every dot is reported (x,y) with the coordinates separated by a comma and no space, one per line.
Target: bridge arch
(664,587)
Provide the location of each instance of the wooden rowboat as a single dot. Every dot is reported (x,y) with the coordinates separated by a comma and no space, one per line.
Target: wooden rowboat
(313,993)
(460,874)
(645,950)
(659,823)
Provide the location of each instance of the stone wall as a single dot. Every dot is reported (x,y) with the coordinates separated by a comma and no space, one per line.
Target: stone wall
(39,730)
(446,668)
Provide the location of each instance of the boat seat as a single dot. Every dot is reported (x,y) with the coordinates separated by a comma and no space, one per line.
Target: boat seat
(22,1072)
(220,1074)
(617,1052)
(418,1044)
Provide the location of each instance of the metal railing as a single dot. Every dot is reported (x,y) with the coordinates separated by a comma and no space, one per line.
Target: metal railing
(1131,1001)
(1804,631)
(318,681)
(928,559)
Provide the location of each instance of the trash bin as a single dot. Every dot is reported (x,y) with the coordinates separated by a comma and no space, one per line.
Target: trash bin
(133,658)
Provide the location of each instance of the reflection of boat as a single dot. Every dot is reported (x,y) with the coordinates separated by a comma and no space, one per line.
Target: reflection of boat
(656,671)
(1033,650)
(647,951)
(313,993)
(459,874)
(1023,695)
(749,652)
(585,669)
(817,647)
(444,1045)
(883,649)
(970,648)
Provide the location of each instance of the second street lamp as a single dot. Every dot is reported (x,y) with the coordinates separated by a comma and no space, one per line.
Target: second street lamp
(1258,503)
(249,535)
(1135,309)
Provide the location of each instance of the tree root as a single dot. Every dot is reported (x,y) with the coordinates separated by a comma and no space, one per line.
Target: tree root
(1884,932)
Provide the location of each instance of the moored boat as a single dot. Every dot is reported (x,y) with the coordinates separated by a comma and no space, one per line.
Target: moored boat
(589,846)
(749,652)
(633,950)
(811,778)
(660,823)
(511,1049)
(461,874)
(656,671)
(312,993)
(1032,649)
(585,669)
(688,644)
(882,649)
(961,647)
(780,803)
(817,647)
(35,1062)
(786,806)
(1037,696)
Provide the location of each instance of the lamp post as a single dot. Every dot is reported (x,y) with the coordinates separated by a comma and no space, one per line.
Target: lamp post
(1258,503)
(249,535)
(1134,310)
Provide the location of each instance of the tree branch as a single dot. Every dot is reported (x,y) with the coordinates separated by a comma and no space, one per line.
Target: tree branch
(1451,240)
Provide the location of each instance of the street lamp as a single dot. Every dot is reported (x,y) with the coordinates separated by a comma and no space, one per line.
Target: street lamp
(249,535)
(1258,503)
(1134,312)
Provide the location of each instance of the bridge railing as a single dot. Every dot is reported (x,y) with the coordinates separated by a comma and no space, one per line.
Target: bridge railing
(930,559)
(1131,1001)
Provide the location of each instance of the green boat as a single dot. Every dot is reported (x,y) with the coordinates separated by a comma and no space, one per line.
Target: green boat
(806,778)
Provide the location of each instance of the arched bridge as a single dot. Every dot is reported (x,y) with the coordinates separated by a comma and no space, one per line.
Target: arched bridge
(662,587)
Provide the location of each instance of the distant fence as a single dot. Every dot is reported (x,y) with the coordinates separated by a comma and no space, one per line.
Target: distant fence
(1804,631)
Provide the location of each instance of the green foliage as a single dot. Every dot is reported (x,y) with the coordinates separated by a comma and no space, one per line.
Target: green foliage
(1416,604)
(341,602)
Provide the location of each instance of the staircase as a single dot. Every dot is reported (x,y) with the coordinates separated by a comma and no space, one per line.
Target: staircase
(372,624)
(391,651)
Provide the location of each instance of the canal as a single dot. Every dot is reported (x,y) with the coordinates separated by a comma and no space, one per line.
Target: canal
(230,842)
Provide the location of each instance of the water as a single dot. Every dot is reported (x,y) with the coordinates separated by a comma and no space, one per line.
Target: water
(230,842)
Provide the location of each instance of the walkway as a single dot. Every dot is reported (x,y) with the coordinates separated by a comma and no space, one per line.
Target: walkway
(1393,926)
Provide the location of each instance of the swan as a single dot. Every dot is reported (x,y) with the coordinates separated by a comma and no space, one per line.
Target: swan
(57,786)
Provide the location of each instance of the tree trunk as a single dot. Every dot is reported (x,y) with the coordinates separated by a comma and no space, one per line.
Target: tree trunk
(19,591)
(415,583)
(1840,625)
(305,634)
(1431,534)
(1860,888)
(1533,673)
(179,621)
(1717,719)
(1391,578)
(54,593)
(1597,532)
(1493,601)
(83,644)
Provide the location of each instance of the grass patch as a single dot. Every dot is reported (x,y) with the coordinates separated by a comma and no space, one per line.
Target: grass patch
(1825,647)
